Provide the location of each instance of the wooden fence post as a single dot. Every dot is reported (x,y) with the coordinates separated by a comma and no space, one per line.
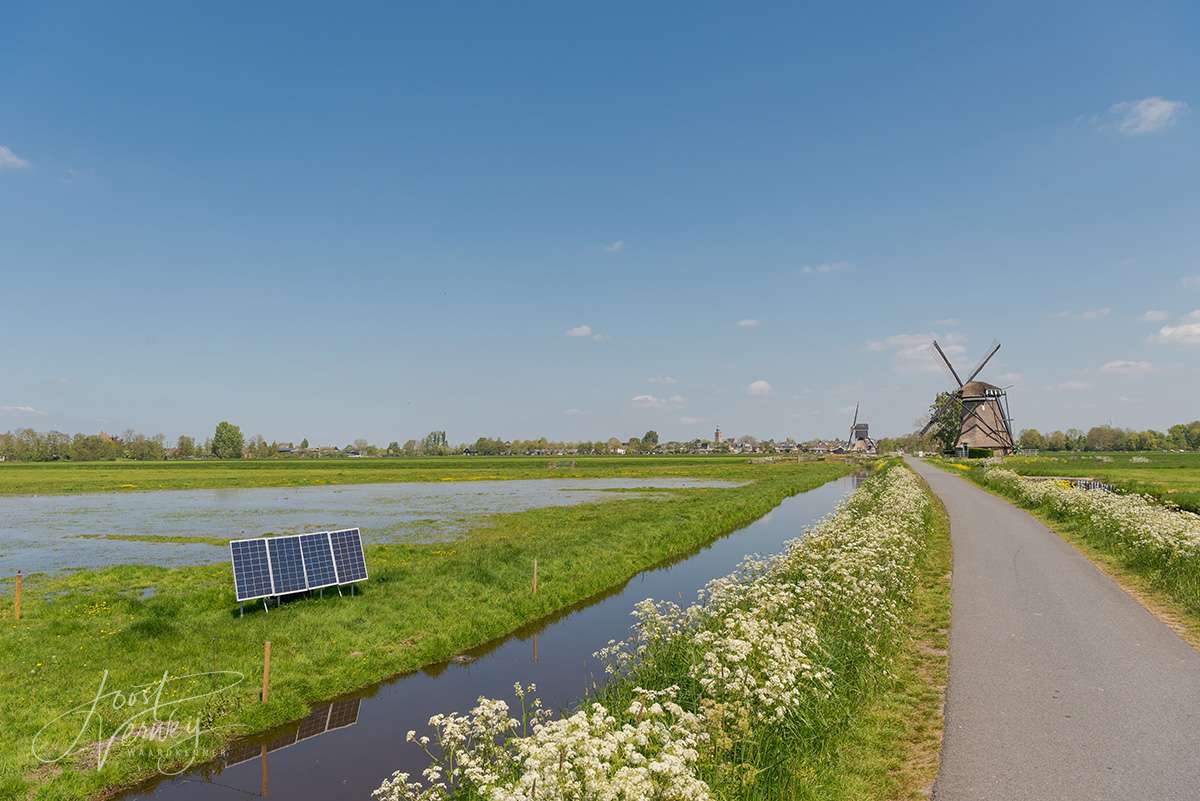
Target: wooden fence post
(266,669)
(17,598)
(535,576)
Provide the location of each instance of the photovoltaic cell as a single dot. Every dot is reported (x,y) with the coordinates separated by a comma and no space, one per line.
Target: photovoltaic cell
(287,565)
(318,560)
(348,555)
(251,571)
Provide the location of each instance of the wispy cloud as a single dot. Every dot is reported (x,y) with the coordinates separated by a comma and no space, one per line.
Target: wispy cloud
(1126,367)
(655,402)
(573,412)
(913,353)
(1185,334)
(826,268)
(1084,314)
(1154,315)
(1191,282)
(748,323)
(580,331)
(691,421)
(662,379)
(10,160)
(19,410)
(1145,116)
(615,247)
(758,389)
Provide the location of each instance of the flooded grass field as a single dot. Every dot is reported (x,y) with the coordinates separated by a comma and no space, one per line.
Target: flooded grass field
(50,533)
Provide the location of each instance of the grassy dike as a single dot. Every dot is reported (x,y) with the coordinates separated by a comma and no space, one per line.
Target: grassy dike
(423,604)
(890,748)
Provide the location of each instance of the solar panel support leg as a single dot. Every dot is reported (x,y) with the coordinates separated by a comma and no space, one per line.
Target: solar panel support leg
(266,606)
(241,609)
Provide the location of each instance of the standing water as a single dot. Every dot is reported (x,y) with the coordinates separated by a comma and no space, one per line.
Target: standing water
(344,750)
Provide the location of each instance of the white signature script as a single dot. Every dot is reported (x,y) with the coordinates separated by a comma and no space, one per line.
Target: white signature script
(151,715)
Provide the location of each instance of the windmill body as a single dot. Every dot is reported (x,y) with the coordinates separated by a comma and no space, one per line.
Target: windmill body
(860,438)
(984,421)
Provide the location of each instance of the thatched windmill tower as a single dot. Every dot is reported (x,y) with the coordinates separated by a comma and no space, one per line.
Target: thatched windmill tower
(985,421)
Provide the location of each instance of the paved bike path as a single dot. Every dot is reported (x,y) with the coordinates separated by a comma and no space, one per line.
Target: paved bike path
(1062,687)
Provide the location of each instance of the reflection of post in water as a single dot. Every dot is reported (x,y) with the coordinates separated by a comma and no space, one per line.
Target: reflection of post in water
(262,789)
(535,655)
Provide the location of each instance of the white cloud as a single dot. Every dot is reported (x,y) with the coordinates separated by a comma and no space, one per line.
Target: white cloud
(655,402)
(1193,315)
(1186,334)
(580,331)
(19,410)
(1085,314)
(759,389)
(615,247)
(1125,367)
(1073,386)
(914,352)
(826,268)
(573,412)
(10,160)
(748,323)
(1148,115)
(662,379)
(1154,315)
(691,421)
(1191,281)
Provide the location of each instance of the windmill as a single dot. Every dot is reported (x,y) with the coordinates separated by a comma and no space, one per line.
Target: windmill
(860,440)
(985,421)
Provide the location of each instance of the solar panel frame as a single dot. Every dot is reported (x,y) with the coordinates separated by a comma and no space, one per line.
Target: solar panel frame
(351,553)
(314,567)
(287,566)
(257,581)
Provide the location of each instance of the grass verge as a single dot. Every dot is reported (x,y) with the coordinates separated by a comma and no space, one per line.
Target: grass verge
(890,748)
(423,604)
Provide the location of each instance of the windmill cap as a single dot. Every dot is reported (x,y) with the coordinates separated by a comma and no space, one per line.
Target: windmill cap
(980,388)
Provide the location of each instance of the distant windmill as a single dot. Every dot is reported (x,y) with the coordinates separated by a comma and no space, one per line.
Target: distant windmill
(860,438)
(985,421)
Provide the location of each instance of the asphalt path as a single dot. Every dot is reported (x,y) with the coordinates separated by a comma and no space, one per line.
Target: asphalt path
(1061,685)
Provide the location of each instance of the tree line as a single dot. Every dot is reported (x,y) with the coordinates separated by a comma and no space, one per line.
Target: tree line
(1179,437)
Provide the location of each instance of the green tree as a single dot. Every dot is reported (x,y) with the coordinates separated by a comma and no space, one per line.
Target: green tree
(227,441)
(946,411)
(1032,439)
(435,443)
(304,444)
(650,438)
(185,447)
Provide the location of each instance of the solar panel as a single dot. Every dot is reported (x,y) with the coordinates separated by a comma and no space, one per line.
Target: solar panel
(287,565)
(348,555)
(318,560)
(343,713)
(251,569)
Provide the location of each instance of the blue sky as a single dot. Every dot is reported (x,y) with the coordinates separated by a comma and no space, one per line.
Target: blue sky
(385,220)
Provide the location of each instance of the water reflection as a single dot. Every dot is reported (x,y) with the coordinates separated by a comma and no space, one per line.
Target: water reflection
(555,653)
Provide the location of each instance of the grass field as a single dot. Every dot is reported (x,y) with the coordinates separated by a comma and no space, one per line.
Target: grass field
(1170,477)
(63,478)
(423,604)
